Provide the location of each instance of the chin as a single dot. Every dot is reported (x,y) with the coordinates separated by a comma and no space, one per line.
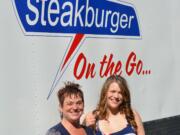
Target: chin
(114,106)
(75,118)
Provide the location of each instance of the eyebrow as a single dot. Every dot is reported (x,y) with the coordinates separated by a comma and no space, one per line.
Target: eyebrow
(80,100)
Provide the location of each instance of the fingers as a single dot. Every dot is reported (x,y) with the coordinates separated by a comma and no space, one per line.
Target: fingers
(96,113)
(90,119)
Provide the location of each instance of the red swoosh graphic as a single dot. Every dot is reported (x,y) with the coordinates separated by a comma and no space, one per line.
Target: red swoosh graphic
(77,39)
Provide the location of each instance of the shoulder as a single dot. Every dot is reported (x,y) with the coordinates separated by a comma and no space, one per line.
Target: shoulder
(54,130)
(140,128)
(137,116)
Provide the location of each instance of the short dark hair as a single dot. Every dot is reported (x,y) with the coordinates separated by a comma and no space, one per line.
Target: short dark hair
(69,89)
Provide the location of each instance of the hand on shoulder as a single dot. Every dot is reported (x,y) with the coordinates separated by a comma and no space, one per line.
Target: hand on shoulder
(90,119)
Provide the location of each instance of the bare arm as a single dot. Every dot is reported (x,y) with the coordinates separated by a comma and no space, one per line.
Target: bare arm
(140,128)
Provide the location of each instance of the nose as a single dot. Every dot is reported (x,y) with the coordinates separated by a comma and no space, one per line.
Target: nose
(75,106)
(116,95)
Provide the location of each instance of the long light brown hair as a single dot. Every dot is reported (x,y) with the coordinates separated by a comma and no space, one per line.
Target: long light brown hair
(125,106)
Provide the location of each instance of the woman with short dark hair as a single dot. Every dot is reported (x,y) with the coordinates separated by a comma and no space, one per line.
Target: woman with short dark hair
(71,107)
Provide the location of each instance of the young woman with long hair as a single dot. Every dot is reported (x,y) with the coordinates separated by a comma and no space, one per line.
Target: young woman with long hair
(114,114)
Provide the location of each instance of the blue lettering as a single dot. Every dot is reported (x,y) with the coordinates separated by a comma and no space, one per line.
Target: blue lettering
(78,16)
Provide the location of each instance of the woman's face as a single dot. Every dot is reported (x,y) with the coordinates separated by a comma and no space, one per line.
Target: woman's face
(72,108)
(114,96)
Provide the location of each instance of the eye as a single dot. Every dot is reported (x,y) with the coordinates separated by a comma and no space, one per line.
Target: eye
(120,92)
(79,103)
(112,91)
(69,103)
